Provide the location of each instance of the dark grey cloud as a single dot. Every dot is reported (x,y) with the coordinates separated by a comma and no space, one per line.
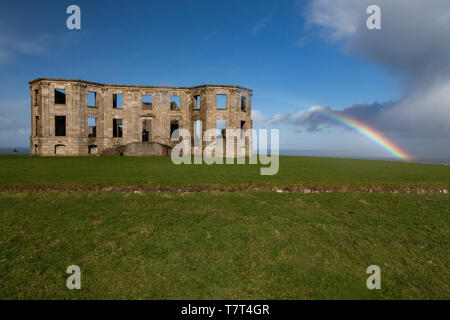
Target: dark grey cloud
(314,120)
(413,44)
(391,118)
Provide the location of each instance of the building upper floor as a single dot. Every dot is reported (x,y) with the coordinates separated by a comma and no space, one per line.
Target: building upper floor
(110,98)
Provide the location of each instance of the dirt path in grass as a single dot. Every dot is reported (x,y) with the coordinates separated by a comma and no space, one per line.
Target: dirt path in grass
(410,189)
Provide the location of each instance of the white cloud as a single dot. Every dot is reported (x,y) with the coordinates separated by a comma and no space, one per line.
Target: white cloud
(338,18)
(12,47)
(260,25)
(257,115)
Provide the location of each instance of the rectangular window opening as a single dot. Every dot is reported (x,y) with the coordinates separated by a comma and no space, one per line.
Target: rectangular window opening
(37,126)
(174,126)
(174,103)
(244,104)
(92,127)
(242,128)
(197,102)
(92,99)
(117,101)
(197,128)
(60,96)
(117,128)
(221,126)
(146,102)
(221,101)
(36,98)
(60,126)
(146,130)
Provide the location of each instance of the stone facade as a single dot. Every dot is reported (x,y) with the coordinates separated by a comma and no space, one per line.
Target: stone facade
(79,118)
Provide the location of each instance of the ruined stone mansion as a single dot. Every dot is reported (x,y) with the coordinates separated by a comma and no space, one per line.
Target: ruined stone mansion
(80,118)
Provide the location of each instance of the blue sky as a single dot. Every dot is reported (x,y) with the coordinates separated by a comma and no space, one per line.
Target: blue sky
(263,45)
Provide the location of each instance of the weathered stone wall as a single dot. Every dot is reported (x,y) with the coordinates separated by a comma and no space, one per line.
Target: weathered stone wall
(77,141)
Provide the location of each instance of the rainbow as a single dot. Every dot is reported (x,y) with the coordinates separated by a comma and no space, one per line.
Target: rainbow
(367,132)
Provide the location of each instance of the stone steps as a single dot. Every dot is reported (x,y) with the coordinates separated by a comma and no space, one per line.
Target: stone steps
(113,151)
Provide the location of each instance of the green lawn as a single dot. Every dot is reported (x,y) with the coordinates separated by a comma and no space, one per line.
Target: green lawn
(244,244)
(141,171)
(238,245)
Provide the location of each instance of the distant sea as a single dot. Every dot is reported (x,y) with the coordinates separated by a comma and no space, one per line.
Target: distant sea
(348,155)
(11,150)
(305,153)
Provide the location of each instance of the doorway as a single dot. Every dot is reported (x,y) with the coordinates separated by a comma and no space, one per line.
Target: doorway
(146,129)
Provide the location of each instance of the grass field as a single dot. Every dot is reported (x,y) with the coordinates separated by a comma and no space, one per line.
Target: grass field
(141,171)
(230,245)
